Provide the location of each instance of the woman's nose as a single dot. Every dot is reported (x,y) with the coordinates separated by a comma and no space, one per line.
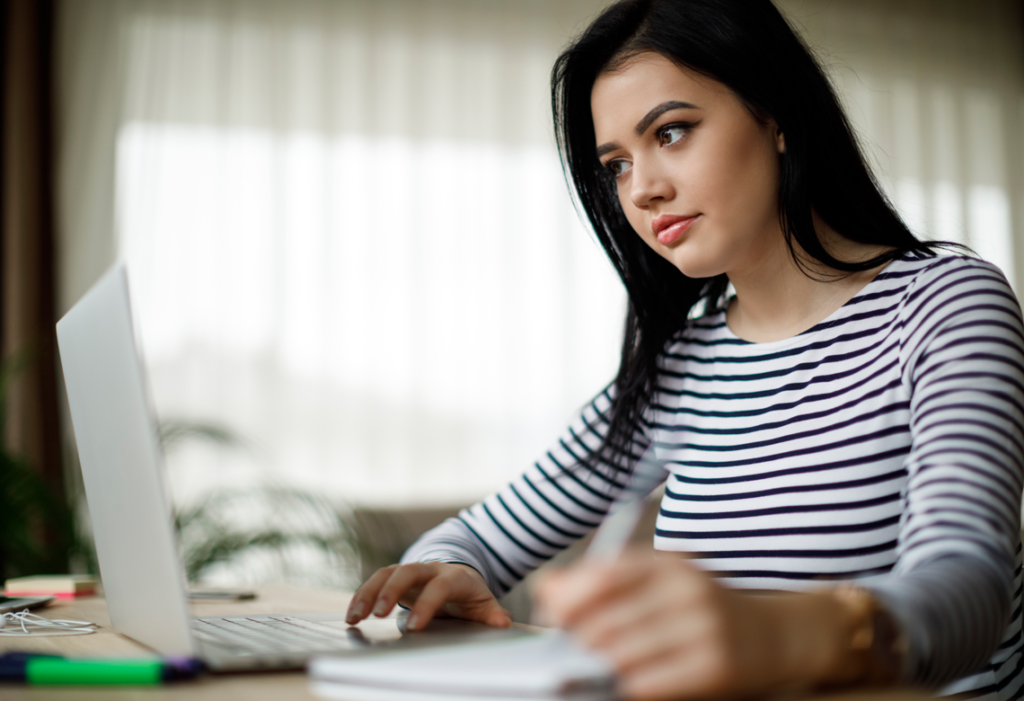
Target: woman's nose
(649,183)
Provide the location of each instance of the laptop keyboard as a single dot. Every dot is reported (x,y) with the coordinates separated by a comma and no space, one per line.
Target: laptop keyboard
(273,634)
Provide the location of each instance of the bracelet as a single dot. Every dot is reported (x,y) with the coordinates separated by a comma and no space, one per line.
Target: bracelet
(877,645)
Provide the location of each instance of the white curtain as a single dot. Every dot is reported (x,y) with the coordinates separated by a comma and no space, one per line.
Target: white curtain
(935,89)
(349,238)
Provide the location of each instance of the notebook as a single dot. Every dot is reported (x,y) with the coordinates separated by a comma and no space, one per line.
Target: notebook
(542,665)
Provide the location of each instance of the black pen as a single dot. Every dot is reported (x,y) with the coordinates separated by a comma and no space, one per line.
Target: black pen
(613,534)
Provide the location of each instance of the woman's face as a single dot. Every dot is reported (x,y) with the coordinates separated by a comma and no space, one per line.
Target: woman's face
(697,174)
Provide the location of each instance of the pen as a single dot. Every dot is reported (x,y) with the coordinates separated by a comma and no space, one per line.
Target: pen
(33,668)
(612,535)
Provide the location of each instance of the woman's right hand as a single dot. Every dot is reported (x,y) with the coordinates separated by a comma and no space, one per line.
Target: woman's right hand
(428,589)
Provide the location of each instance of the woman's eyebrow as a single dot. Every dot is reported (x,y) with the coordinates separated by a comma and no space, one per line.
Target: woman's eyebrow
(647,121)
(649,118)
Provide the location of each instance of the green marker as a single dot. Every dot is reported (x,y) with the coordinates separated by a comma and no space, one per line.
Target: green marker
(51,670)
(41,670)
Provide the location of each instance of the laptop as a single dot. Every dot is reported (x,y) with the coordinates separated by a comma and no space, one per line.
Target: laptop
(142,575)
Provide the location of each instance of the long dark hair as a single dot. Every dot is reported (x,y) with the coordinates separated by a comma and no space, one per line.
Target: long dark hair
(748,46)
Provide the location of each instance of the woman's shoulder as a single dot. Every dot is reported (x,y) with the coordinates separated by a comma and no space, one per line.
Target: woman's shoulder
(939,261)
(946,277)
(912,280)
(949,295)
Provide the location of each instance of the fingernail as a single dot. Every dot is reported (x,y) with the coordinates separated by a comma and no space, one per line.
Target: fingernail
(355,613)
(381,608)
(413,623)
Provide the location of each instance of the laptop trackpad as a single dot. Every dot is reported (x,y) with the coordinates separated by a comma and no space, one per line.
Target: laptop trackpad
(391,633)
(374,631)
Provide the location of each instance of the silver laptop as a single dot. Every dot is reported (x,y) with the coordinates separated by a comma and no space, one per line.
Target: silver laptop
(143,579)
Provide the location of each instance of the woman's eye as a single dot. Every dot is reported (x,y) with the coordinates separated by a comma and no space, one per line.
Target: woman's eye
(617,167)
(672,133)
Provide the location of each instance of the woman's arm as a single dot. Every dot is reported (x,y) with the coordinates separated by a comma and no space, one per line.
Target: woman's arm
(500,540)
(962,362)
(674,632)
(555,503)
(953,611)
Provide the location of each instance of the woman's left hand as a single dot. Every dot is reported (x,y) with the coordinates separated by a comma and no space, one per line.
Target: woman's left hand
(673,632)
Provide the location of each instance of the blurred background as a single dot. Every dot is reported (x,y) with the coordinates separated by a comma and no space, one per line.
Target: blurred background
(362,292)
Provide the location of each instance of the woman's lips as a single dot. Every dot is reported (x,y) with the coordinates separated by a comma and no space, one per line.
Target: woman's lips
(669,228)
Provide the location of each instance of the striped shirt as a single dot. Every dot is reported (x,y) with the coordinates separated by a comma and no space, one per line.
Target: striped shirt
(884,445)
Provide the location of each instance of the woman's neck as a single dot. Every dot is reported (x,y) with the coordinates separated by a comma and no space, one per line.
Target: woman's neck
(778,300)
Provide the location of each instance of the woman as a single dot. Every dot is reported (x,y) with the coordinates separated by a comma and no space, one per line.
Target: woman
(847,425)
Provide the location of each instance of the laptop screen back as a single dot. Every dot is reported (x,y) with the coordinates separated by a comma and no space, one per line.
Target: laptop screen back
(121,467)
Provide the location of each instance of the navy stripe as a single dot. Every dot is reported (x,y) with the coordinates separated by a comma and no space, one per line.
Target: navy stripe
(557,508)
(853,440)
(805,576)
(508,535)
(739,413)
(533,534)
(742,430)
(797,489)
(542,517)
(738,396)
(835,554)
(768,532)
(778,355)
(824,431)
(775,510)
(824,467)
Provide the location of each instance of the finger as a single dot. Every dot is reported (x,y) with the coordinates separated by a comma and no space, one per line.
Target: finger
(628,569)
(489,612)
(588,587)
(460,592)
(366,595)
(657,638)
(401,581)
(698,673)
(680,595)
(499,617)
(541,585)
(438,595)
(619,617)
(434,595)
(544,576)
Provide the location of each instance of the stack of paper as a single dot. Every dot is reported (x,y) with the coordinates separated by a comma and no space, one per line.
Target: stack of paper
(538,666)
(63,586)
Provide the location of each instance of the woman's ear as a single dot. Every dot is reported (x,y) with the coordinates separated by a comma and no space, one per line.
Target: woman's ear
(780,139)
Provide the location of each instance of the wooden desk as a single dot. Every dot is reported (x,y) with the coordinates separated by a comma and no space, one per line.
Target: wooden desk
(107,643)
(225,687)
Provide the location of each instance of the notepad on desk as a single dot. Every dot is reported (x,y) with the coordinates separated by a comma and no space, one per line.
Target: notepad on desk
(63,586)
(544,665)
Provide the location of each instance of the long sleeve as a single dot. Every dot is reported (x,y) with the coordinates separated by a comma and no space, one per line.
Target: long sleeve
(958,548)
(954,610)
(558,500)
